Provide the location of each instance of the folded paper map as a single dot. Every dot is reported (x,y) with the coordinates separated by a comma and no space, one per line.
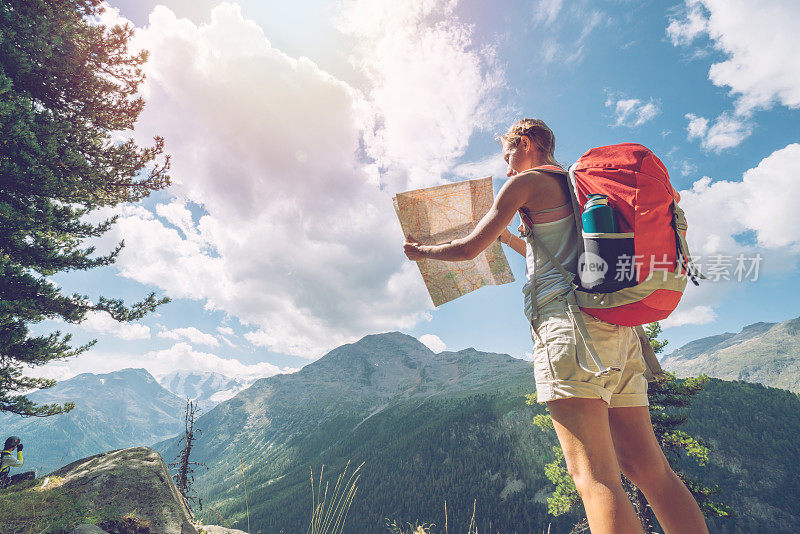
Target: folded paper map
(438,215)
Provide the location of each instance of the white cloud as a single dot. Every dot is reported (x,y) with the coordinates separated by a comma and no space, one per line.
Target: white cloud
(431,87)
(227,330)
(692,23)
(567,47)
(727,131)
(696,315)
(633,112)
(180,357)
(192,334)
(546,11)
(493,165)
(761,68)
(687,168)
(101,322)
(228,342)
(180,217)
(304,251)
(433,342)
(761,204)
(698,126)
(760,41)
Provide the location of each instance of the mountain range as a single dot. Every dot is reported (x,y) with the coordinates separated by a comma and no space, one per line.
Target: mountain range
(455,427)
(429,428)
(767,353)
(384,399)
(114,410)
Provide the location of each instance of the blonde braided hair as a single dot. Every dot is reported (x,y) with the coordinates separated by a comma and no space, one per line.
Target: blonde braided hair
(537,131)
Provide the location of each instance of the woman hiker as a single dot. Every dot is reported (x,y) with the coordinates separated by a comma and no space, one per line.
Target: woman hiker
(603,424)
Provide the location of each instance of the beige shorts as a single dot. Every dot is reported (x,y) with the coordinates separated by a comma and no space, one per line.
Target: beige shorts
(555,359)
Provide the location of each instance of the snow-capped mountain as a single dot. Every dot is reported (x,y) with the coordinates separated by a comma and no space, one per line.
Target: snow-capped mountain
(206,388)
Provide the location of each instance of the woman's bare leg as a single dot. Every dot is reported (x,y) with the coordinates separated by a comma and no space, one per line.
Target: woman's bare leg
(642,460)
(582,427)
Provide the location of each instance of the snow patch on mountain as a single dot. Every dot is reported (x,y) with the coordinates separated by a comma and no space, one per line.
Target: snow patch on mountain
(206,388)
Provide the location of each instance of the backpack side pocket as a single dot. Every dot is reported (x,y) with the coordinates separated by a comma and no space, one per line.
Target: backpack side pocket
(608,262)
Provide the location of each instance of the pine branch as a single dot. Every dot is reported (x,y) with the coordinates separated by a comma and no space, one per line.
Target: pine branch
(68,84)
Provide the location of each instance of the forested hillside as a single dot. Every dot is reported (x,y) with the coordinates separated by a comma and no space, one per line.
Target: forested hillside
(756,453)
(455,427)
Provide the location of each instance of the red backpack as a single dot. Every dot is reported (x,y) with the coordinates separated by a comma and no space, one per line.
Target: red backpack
(647,261)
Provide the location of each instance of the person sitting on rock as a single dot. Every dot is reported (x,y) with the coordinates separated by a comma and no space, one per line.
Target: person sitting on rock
(7,461)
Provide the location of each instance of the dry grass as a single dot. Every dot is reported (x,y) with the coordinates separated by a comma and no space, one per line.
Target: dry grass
(246,505)
(416,528)
(328,517)
(425,528)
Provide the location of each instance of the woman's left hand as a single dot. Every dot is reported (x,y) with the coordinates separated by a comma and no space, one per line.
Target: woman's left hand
(411,247)
(505,236)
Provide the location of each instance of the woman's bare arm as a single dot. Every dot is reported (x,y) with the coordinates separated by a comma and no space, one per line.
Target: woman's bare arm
(511,196)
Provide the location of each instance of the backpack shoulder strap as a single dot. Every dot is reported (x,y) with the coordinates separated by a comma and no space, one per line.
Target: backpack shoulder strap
(528,222)
(653,369)
(573,195)
(549,168)
(684,258)
(573,309)
(4,469)
(555,170)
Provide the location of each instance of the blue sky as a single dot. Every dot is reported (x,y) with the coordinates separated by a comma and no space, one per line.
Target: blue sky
(291,127)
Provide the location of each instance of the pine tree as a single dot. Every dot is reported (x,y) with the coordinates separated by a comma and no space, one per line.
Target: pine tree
(667,397)
(67,85)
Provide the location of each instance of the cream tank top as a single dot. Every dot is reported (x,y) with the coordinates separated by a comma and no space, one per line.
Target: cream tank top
(543,279)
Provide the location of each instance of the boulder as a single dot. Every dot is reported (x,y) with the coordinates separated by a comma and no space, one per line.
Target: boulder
(134,482)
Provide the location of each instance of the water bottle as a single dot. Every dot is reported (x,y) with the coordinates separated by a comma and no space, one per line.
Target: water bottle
(598,215)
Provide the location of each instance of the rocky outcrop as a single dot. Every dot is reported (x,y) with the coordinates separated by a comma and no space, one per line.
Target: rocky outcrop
(136,484)
(132,481)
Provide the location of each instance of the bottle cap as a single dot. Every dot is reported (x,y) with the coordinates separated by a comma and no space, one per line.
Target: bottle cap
(595,199)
